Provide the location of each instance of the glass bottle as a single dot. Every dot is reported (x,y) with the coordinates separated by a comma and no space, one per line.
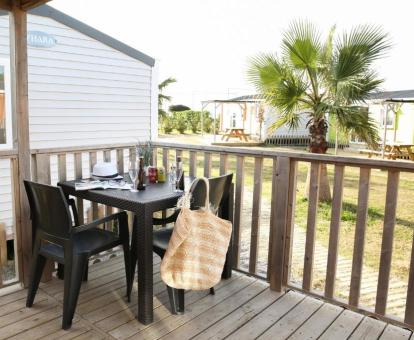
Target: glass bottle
(141,174)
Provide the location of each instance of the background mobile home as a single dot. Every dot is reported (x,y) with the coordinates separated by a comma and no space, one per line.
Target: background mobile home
(85,88)
(400,119)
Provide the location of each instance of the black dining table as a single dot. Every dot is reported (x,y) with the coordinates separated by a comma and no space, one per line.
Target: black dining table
(156,197)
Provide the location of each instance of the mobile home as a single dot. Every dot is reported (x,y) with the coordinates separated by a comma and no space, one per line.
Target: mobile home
(85,88)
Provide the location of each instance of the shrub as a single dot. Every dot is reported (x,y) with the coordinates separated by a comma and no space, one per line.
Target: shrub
(167,125)
(193,118)
(180,121)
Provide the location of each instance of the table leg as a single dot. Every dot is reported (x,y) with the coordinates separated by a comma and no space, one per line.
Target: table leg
(145,263)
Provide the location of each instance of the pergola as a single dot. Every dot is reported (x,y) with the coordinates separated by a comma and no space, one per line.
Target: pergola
(242,102)
(20,120)
(393,105)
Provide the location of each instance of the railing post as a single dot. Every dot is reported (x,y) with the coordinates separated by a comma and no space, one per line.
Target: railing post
(359,241)
(224,163)
(255,228)
(154,160)
(193,164)
(278,221)
(78,175)
(94,206)
(387,241)
(166,159)
(334,231)
(120,161)
(290,220)
(315,172)
(207,164)
(238,206)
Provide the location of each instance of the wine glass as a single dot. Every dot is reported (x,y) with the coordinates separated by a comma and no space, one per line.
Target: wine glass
(133,174)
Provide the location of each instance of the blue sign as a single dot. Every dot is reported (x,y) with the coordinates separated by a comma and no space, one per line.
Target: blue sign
(40,39)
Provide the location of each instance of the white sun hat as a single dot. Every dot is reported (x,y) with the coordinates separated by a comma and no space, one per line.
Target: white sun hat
(105,170)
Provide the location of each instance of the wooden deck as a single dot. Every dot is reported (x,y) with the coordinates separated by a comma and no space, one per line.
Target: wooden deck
(243,308)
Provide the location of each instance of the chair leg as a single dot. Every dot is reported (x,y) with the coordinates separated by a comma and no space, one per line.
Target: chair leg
(38,265)
(128,272)
(176,297)
(61,271)
(85,274)
(74,272)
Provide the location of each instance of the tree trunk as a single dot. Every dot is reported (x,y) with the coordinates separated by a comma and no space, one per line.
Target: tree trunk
(318,144)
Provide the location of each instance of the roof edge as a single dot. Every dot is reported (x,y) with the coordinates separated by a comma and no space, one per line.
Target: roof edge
(50,12)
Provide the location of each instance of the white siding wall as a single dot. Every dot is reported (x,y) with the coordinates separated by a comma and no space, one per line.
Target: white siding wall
(81,92)
(270,118)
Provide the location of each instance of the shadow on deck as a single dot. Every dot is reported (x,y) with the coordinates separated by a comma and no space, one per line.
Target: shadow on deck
(243,308)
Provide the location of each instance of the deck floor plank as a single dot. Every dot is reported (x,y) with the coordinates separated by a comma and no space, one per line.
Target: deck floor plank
(242,308)
(124,325)
(164,326)
(343,326)
(240,316)
(218,312)
(268,317)
(292,320)
(392,332)
(317,323)
(368,329)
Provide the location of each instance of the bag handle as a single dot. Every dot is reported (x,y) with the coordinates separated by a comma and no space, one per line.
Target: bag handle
(207,202)
(184,201)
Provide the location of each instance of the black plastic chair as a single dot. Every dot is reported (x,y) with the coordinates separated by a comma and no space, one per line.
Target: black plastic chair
(57,239)
(219,191)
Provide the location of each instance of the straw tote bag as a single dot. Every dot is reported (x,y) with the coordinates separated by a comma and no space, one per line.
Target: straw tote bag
(197,249)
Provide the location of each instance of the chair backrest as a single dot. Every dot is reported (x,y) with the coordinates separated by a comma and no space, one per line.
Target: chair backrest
(49,209)
(219,189)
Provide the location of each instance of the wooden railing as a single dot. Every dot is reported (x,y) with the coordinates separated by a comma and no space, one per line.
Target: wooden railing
(282,212)
(51,165)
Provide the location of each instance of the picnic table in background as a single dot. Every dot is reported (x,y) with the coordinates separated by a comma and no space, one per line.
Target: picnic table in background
(400,150)
(393,150)
(235,133)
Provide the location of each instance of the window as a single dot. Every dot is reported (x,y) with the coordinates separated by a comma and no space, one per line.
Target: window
(390,118)
(6,141)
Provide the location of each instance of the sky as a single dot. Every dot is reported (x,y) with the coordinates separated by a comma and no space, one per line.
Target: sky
(206,44)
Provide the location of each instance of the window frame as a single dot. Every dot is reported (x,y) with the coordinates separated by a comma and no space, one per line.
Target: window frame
(7,105)
(391,115)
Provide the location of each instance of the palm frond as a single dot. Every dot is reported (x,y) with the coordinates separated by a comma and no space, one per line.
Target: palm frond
(165,83)
(356,120)
(301,45)
(356,51)
(279,84)
(359,89)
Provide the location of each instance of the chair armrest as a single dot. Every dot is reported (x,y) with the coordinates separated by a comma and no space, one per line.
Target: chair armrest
(121,216)
(170,219)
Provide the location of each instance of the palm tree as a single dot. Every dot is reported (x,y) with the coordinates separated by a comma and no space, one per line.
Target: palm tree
(163,97)
(320,79)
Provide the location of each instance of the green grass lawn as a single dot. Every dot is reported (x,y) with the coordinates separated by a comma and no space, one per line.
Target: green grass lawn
(405,209)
